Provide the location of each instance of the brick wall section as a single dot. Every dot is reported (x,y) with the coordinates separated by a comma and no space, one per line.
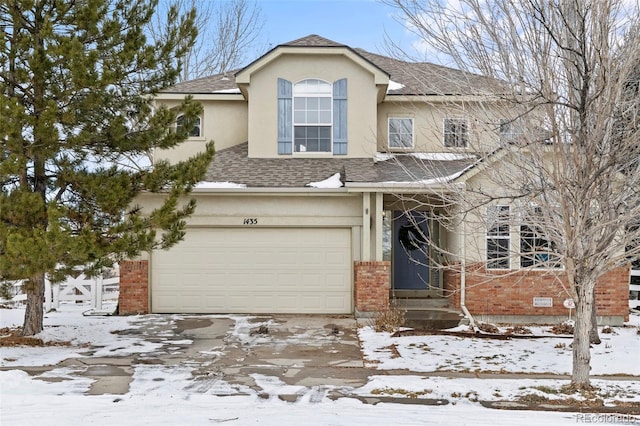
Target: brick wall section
(371,282)
(134,287)
(512,293)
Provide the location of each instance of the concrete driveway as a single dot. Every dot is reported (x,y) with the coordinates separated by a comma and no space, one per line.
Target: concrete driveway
(299,350)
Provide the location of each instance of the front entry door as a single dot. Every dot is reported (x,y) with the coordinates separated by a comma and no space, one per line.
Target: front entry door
(410,250)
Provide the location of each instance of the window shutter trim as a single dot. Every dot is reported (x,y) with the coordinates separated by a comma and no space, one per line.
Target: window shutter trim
(340,117)
(285,117)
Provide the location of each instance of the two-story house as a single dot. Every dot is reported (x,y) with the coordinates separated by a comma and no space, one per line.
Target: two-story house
(332,168)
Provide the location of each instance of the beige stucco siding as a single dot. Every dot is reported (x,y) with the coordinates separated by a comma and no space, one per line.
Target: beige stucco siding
(270,209)
(263,101)
(428,118)
(224,122)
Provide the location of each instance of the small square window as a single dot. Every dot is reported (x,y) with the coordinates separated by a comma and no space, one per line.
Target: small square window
(400,133)
(510,131)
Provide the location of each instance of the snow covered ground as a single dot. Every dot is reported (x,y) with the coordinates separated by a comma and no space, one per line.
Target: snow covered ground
(165,395)
(619,353)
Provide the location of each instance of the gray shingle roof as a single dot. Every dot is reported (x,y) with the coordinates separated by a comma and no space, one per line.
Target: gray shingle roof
(313,40)
(417,78)
(424,78)
(205,85)
(234,165)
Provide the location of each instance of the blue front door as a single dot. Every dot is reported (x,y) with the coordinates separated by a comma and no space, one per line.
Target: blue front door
(410,250)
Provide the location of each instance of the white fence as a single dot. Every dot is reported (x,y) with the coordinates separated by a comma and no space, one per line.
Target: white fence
(80,289)
(634,289)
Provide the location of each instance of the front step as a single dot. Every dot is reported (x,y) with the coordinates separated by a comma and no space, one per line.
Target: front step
(434,319)
(422,303)
(427,310)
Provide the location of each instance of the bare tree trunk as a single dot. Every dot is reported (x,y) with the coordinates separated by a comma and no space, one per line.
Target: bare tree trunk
(581,349)
(594,337)
(34,314)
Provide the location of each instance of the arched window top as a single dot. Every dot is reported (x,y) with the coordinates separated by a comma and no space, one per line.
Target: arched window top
(313,87)
(195,131)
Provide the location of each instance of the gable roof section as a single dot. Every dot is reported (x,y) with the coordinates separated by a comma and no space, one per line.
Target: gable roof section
(234,165)
(318,45)
(412,78)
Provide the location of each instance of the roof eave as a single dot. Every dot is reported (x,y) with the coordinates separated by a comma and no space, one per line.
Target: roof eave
(270,190)
(390,97)
(404,187)
(168,96)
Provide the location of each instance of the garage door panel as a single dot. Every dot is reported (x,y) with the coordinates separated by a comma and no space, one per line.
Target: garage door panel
(257,270)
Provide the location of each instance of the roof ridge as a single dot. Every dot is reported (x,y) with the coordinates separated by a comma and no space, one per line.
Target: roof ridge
(313,40)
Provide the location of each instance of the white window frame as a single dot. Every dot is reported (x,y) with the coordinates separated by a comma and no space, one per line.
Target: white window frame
(394,148)
(541,258)
(299,92)
(510,130)
(495,221)
(197,126)
(446,133)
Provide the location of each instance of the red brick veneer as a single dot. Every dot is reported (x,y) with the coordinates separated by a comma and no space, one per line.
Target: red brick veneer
(512,293)
(371,281)
(134,287)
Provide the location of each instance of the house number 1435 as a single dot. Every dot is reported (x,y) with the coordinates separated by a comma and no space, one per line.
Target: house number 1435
(250,221)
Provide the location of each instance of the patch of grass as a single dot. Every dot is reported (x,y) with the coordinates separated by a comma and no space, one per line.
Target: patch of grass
(11,337)
(564,328)
(547,389)
(572,395)
(403,392)
(423,346)
(471,396)
(518,329)
(393,348)
(488,328)
(490,357)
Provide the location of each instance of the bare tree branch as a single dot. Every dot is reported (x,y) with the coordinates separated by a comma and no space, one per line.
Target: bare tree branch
(227,32)
(570,174)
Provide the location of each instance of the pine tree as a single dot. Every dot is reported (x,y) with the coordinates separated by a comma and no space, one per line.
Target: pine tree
(76,124)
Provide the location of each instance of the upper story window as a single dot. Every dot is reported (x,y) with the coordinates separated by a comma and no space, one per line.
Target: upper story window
(400,133)
(456,132)
(195,131)
(312,116)
(510,131)
(498,237)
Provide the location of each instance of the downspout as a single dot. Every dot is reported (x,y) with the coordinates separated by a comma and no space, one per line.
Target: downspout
(463,281)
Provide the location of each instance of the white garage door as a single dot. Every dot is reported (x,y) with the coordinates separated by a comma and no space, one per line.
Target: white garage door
(254,270)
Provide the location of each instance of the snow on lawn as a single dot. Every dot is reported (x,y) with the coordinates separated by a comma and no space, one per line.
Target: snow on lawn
(88,335)
(167,394)
(465,391)
(158,399)
(618,353)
